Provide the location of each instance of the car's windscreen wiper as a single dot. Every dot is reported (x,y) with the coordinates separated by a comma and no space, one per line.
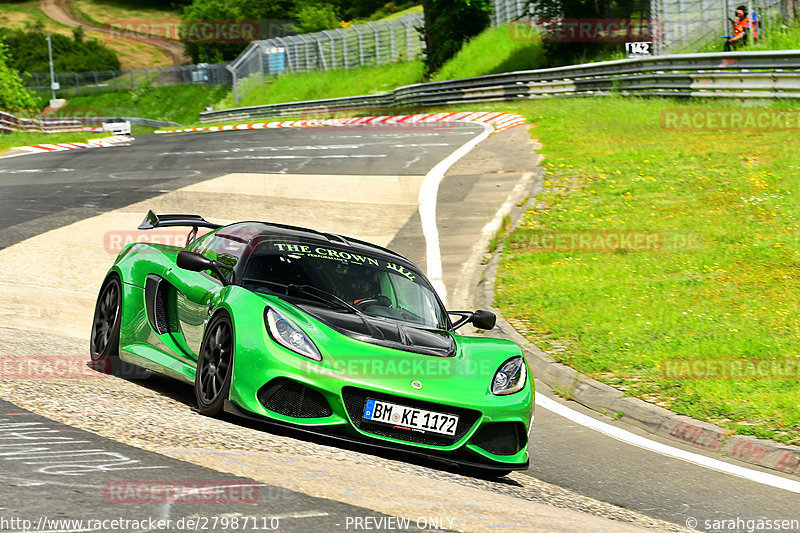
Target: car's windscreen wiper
(326,297)
(303,289)
(363,316)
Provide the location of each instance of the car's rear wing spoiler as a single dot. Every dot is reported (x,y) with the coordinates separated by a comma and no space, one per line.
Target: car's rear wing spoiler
(152,221)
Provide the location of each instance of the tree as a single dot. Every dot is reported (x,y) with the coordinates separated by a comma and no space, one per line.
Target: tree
(13,95)
(790,11)
(28,52)
(194,21)
(566,52)
(315,17)
(450,23)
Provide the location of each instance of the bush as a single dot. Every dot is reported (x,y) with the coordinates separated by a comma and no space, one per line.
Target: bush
(29,51)
(448,24)
(13,96)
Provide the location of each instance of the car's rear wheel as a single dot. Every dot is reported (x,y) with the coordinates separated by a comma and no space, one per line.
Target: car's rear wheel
(104,342)
(212,381)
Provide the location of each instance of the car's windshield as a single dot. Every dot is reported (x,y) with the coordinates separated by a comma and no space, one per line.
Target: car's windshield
(341,279)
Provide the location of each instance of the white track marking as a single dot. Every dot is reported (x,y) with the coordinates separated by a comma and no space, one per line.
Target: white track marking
(668,451)
(337,156)
(427,209)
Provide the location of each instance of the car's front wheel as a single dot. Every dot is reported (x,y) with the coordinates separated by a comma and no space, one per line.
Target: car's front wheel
(106,327)
(212,380)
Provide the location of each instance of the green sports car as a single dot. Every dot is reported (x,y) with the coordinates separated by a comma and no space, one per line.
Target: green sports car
(318,331)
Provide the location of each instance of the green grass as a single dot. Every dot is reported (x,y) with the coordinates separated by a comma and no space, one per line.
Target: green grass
(774,38)
(404,12)
(493,51)
(624,315)
(325,84)
(13,140)
(176,103)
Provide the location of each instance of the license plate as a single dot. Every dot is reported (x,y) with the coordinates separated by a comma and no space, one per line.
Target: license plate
(410,417)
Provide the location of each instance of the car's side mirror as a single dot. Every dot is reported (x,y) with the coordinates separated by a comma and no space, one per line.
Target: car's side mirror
(197,262)
(193,261)
(480,319)
(483,319)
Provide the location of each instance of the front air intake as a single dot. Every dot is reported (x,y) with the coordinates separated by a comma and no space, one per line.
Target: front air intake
(502,438)
(290,398)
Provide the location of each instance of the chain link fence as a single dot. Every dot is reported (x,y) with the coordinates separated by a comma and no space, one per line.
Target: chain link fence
(686,23)
(678,24)
(505,11)
(76,83)
(373,43)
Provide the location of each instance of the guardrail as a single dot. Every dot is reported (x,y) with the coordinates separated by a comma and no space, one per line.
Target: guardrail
(9,123)
(769,74)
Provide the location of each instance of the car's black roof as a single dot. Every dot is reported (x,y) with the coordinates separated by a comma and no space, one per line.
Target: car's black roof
(250,231)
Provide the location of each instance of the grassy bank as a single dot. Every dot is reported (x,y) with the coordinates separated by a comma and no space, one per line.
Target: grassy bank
(773,38)
(175,103)
(721,285)
(493,51)
(325,84)
(12,140)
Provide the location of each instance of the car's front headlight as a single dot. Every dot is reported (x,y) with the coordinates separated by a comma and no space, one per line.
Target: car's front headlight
(286,332)
(510,377)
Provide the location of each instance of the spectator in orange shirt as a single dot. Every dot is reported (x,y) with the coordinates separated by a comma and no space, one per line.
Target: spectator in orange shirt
(741,27)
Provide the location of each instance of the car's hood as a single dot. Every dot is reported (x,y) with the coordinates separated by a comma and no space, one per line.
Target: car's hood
(369,363)
(385,332)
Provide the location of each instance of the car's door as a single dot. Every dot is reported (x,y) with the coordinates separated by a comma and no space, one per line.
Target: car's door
(198,293)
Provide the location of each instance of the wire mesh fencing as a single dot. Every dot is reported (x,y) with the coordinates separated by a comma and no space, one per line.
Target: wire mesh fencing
(505,11)
(76,83)
(675,25)
(369,44)
(685,23)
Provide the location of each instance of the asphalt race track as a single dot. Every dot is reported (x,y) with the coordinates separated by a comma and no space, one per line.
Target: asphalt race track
(45,191)
(35,450)
(44,194)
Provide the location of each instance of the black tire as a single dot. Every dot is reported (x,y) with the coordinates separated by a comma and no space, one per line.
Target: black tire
(104,339)
(212,381)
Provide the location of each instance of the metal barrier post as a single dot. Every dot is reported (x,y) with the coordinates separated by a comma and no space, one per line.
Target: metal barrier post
(360,46)
(391,41)
(377,44)
(344,47)
(408,38)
